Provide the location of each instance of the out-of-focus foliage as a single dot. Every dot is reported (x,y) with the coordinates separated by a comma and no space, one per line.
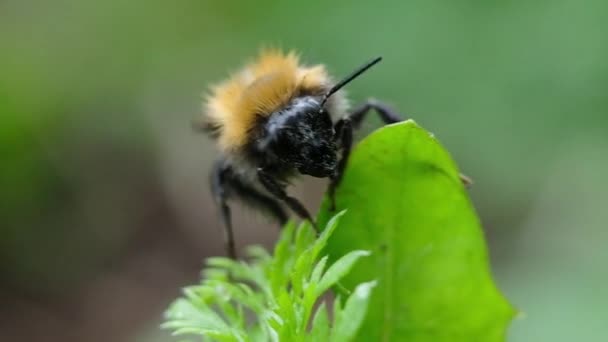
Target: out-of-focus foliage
(96,98)
(407,205)
(279,290)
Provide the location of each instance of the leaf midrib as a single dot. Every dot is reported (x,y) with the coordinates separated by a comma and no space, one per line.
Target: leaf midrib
(389,270)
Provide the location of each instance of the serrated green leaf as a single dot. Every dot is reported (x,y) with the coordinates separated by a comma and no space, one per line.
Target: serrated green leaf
(301,270)
(407,205)
(223,337)
(287,312)
(305,236)
(281,249)
(353,313)
(217,308)
(330,227)
(283,258)
(338,270)
(183,314)
(337,309)
(258,253)
(317,272)
(222,262)
(320,325)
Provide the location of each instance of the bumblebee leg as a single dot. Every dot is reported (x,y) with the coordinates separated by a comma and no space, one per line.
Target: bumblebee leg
(344,135)
(253,197)
(219,190)
(386,114)
(277,190)
(344,130)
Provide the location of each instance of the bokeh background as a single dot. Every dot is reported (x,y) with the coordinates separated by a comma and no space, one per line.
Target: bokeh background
(104,207)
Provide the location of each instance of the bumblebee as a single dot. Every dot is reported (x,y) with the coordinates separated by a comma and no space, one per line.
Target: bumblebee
(277,119)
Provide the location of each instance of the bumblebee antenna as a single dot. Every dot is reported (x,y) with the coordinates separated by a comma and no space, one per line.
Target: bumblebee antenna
(349,78)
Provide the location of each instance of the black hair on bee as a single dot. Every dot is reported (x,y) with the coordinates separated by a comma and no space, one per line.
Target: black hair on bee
(274,120)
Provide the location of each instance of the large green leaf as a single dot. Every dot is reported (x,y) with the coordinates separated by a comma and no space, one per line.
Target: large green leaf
(406,205)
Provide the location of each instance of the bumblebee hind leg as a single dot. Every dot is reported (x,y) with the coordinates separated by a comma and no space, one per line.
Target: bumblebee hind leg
(226,184)
(219,189)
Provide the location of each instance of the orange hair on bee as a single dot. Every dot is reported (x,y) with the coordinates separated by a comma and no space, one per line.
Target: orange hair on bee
(258,90)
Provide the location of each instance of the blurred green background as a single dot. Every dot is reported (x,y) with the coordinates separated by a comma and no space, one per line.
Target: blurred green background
(105,211)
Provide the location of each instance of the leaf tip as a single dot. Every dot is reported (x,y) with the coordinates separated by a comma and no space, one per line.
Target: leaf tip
(364,290)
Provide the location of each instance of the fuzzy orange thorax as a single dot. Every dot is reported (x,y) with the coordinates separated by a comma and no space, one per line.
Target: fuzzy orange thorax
(258,90)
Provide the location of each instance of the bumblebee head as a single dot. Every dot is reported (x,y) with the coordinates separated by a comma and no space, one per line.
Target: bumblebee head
(302,136)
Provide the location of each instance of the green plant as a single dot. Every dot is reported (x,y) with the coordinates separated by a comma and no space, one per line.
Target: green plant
(273,297)
(411,218)
(407,205)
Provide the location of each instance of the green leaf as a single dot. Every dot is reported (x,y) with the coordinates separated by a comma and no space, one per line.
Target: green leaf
(320,325)
(337,308)
(327,232)
(338,270)
(353,313)
(318,270)
(304,262)
(185,315)
(270,298)
(407,206)
(281,262)
(305,236)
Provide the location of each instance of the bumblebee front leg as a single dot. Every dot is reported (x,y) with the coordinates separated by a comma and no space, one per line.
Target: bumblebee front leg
(276,189)
(344,136)
(386,113)
(219,179)
(388,116)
